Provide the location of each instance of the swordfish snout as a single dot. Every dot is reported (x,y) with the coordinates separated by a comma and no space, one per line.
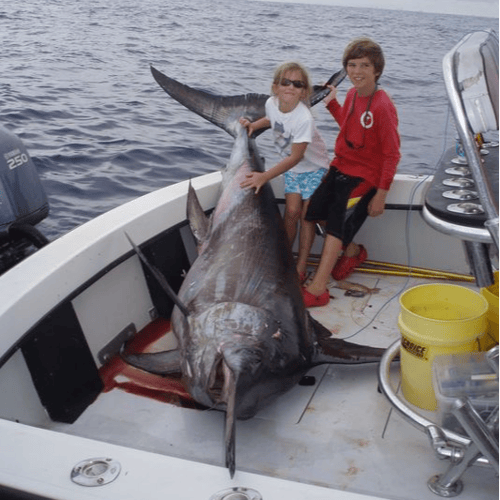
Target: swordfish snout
(231,370)
(232,338)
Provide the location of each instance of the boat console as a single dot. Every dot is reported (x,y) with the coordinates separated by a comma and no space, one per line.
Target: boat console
(462,202)
(462,199)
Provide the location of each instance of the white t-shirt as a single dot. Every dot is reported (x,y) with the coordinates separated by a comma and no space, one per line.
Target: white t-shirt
(297,126)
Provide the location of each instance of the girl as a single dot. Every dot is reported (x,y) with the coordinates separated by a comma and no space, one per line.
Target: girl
(367,152)
(303,152)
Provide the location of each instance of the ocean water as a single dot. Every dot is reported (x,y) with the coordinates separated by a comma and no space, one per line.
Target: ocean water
(77,89)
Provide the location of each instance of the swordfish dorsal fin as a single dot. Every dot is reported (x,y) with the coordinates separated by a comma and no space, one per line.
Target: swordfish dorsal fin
(159,277)
(222,111)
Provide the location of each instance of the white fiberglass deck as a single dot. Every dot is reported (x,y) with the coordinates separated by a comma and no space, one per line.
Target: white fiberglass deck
(340,433)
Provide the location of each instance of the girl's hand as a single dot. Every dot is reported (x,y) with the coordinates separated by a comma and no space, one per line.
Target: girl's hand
(331,96)
(254,180)
(248,125)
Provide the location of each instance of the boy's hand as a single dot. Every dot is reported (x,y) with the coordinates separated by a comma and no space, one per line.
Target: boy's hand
(331,96)
(376,206)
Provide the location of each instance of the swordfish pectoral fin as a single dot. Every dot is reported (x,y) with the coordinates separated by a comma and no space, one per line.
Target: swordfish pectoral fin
(222,111)
(159,363)
(159,277)
(198,221)
(337,351)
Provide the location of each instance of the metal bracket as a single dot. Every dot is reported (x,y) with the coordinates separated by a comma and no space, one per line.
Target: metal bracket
(114,345)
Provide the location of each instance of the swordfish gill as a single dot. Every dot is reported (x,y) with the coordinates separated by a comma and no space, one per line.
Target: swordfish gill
(244,334)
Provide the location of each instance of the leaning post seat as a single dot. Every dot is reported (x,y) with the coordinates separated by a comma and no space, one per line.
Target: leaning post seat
(462,199)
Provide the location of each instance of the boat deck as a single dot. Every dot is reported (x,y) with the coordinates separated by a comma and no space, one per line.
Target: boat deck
(340,433)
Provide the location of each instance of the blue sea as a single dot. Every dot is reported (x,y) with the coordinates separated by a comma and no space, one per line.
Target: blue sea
(77,89)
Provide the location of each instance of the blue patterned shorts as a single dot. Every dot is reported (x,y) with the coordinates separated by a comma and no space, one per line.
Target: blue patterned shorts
(305,183)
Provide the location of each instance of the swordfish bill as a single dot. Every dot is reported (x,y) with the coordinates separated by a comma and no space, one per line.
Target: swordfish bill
(244,336)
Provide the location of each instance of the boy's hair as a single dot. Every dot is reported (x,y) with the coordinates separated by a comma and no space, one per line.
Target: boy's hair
(365,47)
(292,66)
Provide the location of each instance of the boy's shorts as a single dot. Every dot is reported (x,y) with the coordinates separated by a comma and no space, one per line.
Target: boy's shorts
(303,183)
(342,201)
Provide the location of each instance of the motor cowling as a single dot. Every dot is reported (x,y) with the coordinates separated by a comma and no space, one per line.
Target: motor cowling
(23,202)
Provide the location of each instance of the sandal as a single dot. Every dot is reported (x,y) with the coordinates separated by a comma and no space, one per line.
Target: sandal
(311,300)
(346,265)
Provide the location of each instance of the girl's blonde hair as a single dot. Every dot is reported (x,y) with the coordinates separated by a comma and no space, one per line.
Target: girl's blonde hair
(288,67)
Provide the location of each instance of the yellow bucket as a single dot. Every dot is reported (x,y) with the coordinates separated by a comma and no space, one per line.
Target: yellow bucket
(436,319)
(490,338)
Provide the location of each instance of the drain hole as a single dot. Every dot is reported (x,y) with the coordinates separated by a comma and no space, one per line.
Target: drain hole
(96,469)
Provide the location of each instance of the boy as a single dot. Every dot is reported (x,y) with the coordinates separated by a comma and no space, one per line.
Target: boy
(367,152)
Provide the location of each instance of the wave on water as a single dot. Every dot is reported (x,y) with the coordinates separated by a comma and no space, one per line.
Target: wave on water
(77,89)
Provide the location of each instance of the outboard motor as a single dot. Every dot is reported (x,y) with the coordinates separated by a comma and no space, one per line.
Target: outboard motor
(23,202)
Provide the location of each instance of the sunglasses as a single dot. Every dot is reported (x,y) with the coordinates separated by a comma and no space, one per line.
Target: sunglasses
(298,84)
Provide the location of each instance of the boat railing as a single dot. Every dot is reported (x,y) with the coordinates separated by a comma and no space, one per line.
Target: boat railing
(477,446)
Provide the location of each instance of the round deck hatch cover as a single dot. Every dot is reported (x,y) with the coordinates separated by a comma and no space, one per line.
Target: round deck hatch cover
(459,182)
(461,194)
(237,494)
(461,171)
(466,208)
(459,160)
(95,471)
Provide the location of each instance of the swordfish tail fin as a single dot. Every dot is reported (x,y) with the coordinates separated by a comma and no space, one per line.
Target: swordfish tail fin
(321,91)
(222,111)
(225,111)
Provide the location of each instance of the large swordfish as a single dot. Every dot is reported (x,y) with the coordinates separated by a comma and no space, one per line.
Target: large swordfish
(244,334)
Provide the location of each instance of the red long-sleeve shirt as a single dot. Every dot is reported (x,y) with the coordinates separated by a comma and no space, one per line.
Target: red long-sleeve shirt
(376,152)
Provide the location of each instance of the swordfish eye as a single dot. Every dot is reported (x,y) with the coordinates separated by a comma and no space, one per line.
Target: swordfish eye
(277,335)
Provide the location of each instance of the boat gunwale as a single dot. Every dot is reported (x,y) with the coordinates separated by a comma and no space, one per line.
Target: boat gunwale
(24,287)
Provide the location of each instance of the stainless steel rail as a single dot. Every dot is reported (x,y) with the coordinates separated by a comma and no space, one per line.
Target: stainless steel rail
(422,423)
